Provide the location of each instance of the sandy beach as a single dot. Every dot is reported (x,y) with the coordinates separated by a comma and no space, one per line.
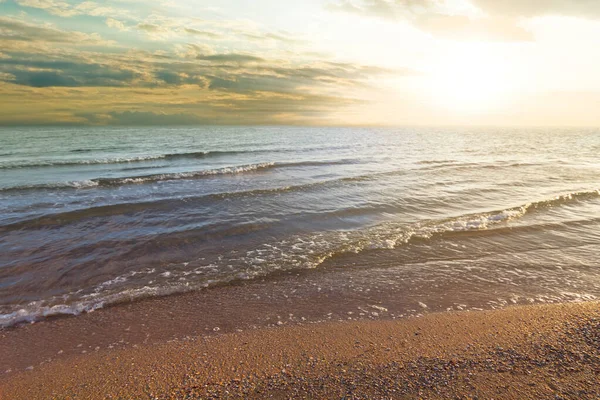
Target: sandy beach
(324,199)
(526,352)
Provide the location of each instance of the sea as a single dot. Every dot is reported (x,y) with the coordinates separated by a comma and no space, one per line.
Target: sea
(420,219)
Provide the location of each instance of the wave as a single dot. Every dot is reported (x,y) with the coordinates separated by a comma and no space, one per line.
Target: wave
(565,199)
(90,183)
(120,208)
(487,220)
(437,162)
(119,160)
(146,157)
(182,175)
(300,252)
(107,182)
(454,165)
(115,209)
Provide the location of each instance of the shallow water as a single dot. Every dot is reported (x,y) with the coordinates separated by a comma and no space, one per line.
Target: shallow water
(432,218)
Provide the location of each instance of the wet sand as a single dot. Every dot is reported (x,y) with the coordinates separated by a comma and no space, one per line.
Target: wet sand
(324,295)
(525,352)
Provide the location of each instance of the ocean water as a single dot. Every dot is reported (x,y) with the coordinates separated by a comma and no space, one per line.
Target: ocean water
(480,216)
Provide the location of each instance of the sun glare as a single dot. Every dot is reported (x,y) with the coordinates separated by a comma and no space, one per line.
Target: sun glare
(470,81)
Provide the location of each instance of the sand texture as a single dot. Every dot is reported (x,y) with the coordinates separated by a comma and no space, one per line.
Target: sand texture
(530,352)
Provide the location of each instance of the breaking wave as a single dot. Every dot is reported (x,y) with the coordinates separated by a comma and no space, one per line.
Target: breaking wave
(128,180)
(296,253)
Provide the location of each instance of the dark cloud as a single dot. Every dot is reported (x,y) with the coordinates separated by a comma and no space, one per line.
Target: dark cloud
(43,79)
(154,118)
(169,77)
(231,57)
(140,69)
(252,82)
(146,70)
(66,80)
(246,83)
(52,73)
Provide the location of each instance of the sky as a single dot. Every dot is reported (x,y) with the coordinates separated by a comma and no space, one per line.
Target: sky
(309,62)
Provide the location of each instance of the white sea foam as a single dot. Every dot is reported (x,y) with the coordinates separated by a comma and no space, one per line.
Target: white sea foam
(299,252)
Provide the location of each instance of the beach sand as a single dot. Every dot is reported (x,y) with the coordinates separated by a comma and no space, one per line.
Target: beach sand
(524,352)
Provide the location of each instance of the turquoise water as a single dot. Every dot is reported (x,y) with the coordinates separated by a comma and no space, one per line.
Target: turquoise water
(96,216)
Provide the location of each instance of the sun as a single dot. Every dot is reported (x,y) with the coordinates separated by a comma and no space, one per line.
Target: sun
(470,80)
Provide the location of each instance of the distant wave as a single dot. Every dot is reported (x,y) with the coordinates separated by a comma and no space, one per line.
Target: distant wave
(119,160)
(436,162)
(143,158)
(182,175)
(128,180)
(89,183)
(431,165)
(116,209)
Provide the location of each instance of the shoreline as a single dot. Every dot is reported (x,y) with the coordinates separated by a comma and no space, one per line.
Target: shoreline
(308,297)
(537,351)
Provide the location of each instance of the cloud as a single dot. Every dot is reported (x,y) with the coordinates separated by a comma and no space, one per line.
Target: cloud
(150,27)
(387,9)
(65,9)
(157,31)
(196,32)
(440,19)
(69,77)
(5,76)
(532,8)
(74,86)
(167,106)
(47,73)
(60,8)
(192,50)
(270,36)
(231,57)
(180,78)
(43,79)
(295,80)
(15,30)
(394,9)
(467,28)
(147,118)
(113,23)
